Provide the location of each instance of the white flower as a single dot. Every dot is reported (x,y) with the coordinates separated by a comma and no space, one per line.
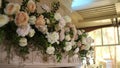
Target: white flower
(87,47)
(67,37)
(67,19)
(62,23)
(57,16)
(76,50)
(23,31)
(45,7)
(32,20)
(87,40)
(3,20)
(32,32)
(50,50)
(79,32)
(48,21)
(53,37)
(23,42)
(43,29)
(75,56)
(12,8)
(68,46)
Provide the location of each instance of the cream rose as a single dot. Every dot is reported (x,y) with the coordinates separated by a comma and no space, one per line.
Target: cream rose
(32,20)
(53,37)
(32,32)
(3,20)
(12,8)
(21,19)
(76,50)
(23,42)
(40,21)
(31,6)
(67,37)
(57,16)
(50,50)
(67,19)
(68,46)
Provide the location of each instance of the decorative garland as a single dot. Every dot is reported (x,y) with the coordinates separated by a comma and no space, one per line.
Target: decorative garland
(23,29)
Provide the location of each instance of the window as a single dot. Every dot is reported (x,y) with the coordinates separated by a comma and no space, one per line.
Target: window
(107,46)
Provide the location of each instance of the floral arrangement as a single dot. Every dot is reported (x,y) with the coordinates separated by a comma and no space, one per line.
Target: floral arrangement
(23,29)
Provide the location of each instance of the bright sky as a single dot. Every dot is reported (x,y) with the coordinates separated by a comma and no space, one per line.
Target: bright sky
(78,4)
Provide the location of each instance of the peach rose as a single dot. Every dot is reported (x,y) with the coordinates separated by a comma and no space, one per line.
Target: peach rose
(12,8)
(40,21)
(21,19)
(31,6)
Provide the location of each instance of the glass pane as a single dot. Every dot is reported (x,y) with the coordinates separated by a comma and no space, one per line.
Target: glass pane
(118,56)
(105,56)
(96,35)
(110,35)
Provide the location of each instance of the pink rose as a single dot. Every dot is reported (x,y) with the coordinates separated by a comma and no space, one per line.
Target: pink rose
(62,23)
(21,19)
(40,21)
(31,6)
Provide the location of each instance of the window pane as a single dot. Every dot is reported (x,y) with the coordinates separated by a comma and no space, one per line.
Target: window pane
(118,56)
(110,35)
(96,35)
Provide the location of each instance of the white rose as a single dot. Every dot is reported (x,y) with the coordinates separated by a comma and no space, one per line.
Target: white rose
(76,50)
(67,19)
(48,21)
(87,41)
(57,16)
(3,20)
(87,47)
(23,42)
(32,32)
(75,56)
(43,29)
(79,32)
(32,20)
(53,37)
(50,50)
(68,48)
(67,37)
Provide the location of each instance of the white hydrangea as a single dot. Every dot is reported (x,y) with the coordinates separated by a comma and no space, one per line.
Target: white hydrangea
(32,20)
(76,50)
(53,37)
(23,42)
(50,50)
(57,16)
(68,46)
(3,20)
(67,19)
(67,37)
(32,32)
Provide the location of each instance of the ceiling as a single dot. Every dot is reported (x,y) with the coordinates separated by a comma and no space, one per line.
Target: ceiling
(99,12)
